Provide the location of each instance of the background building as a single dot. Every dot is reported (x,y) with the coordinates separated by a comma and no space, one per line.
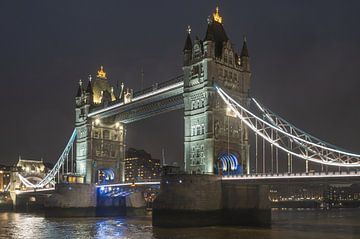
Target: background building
(4,177)
(343,195)
(31,169)
(139,166)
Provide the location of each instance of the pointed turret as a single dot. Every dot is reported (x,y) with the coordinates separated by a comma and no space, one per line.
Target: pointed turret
(89,86)
(80,89)
(188,42)
(244,51)
(244,56)
(188,47)
(89,91)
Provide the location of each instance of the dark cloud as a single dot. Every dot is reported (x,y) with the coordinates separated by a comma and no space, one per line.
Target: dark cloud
(304,56)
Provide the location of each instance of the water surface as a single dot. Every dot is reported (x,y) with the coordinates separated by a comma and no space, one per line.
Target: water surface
(291,224)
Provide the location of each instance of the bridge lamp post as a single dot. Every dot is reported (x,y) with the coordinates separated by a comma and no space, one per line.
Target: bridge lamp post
(229,113)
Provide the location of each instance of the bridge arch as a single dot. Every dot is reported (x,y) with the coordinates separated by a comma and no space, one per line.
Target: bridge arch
(228,164)
(105,175)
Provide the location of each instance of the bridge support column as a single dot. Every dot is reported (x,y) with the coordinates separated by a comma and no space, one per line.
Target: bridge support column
(71,200)
(206,200)
(245,204)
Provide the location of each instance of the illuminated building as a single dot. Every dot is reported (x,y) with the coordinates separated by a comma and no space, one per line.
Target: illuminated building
(315,195)
(5,174)
(140,166)
(214,143)
(100,142)
(33,170)
(343,195)
(297,196)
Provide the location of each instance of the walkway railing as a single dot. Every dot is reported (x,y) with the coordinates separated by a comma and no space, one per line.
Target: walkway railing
(159,85)
(293,175)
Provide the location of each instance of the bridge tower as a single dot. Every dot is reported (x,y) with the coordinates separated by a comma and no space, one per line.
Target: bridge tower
(214,138)
(100,141)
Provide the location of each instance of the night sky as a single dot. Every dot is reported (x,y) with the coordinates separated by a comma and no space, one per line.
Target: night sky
(305,59)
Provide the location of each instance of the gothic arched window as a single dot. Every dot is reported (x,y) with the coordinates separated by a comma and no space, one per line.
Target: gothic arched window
(106,134)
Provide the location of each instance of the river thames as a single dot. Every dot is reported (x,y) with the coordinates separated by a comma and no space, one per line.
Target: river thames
(335,223)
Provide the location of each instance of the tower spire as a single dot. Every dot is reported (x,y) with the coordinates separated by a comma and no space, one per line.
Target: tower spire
(244,51)
(188,42)
(80,90)
(89,86)
(244,56)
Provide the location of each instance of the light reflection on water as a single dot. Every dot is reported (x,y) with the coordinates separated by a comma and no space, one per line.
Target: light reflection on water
(343,223)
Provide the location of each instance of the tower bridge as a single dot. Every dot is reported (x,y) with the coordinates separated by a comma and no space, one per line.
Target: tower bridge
(220,120)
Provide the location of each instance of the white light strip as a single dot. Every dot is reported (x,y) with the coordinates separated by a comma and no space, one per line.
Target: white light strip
(35,190)
(7,187)
(288,134)
(249,177)
(26,182)
(262,110)
(50,176)
(223,94)
(289,125)
(285,123)
(225,97)
(128,184)
(155,92)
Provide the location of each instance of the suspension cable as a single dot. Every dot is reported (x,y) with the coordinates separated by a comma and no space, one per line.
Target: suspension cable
(351,159)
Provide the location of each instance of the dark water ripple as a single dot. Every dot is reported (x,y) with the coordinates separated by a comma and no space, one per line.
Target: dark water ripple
(291,224)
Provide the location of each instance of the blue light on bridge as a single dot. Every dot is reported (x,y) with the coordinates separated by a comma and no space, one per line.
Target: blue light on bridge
(229,164)
(105,176)
(113,192)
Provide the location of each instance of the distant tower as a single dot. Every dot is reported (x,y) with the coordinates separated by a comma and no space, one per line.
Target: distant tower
(215,141)
(100,142)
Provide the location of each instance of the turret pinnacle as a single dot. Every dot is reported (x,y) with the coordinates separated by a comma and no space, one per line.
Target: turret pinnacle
(89,86)
(80,90)
(216,16)
(101,73)
(188,42)
(244,51)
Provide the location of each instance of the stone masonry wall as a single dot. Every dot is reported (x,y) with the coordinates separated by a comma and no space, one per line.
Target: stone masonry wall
(72,196)
(189,192)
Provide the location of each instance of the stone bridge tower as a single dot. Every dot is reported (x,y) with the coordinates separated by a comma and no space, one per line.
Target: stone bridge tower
(100,141)
(214,138)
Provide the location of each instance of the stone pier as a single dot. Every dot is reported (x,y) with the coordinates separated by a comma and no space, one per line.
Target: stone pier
(70,200)
(187,200)
(85,200)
